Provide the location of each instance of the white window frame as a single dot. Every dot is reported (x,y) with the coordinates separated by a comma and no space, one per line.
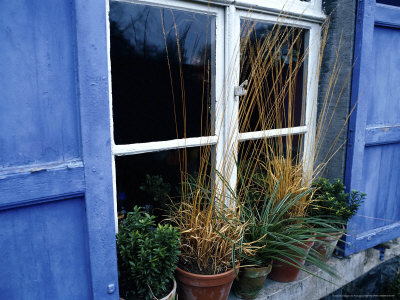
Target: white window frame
(228,14)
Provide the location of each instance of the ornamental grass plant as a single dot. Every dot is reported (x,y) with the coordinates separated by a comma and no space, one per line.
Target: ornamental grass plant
(216,220)
(208,245)
(282,161)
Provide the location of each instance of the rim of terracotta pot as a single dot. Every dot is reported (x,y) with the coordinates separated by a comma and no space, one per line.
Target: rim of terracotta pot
(245,269)
(202,280)
(334,235)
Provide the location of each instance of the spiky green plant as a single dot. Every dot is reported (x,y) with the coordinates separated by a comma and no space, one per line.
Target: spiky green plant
(274,236)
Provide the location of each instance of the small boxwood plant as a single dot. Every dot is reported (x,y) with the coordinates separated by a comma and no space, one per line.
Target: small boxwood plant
(330,199)
(147,256)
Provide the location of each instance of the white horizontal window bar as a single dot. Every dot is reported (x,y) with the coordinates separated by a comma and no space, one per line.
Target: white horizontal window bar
(120,150)
(310,11)
(271,133)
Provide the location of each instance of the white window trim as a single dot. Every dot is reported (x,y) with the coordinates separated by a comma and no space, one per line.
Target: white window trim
(228,13)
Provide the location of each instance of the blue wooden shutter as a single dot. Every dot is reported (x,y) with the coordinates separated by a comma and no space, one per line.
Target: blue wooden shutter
(57,231)
(373,156)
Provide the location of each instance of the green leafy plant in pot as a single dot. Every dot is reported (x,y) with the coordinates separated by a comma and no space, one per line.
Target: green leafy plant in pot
(147,257)
(331,201)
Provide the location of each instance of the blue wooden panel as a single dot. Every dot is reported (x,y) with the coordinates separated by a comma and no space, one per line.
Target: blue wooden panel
(40,184)
(387,15)
(43,252)
(384,106)
(382,135)
(373,157)
(381,177)
(91,18)
(39,117)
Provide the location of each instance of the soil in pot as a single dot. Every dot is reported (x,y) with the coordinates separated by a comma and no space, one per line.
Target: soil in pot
(284,272)
(250,281)
(193,286)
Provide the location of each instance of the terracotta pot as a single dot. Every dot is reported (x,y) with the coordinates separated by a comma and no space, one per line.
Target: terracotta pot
(204,287)
(328,244)
(250,281)
(283,272)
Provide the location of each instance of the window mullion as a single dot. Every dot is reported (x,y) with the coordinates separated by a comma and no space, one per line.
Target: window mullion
(311,101)
(231,111)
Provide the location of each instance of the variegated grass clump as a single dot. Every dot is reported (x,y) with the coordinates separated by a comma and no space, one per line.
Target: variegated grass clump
(211,229)
(275,67)
(209,214)
(273,80)
(207,240)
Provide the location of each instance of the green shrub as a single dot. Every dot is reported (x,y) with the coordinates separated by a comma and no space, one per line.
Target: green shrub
(331,200)
(147,256)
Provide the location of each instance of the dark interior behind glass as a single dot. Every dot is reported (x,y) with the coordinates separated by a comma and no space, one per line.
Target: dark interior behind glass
(281,64)
(161,66)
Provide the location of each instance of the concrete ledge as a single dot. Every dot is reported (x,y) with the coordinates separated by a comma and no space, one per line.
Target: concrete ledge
(310,287)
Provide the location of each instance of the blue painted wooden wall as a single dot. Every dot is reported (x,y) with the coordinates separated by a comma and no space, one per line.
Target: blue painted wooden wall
(373,163)
(56,208)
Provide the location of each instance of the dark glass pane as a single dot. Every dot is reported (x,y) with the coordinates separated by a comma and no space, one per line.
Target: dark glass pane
(272,60)
(147,179)
(161,66)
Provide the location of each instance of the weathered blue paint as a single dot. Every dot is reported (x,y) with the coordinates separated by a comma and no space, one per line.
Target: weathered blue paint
(93,75)
(39,112)
(373,160)
(41,185)
(39,244)
(382,135)
(57,236)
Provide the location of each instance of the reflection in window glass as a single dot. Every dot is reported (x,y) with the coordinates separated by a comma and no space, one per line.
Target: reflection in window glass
(149,179)
(161,66)
(272,60)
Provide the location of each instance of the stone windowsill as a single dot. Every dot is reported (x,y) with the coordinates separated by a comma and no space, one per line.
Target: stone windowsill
(310,287)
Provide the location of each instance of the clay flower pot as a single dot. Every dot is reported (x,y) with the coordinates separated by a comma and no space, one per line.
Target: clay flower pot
(251,281)
(328,244)
(284,272)
(204,287)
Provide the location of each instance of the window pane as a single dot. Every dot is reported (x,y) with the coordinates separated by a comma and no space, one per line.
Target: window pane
(146,179)
(272,59)
(162,69)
